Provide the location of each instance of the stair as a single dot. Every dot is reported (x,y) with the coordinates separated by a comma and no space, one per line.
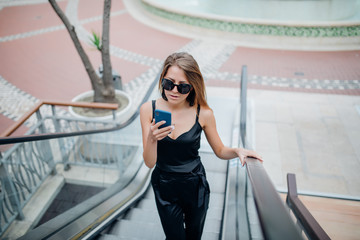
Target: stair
(143,222)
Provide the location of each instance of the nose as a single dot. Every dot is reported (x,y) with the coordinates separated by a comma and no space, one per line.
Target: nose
(175,89)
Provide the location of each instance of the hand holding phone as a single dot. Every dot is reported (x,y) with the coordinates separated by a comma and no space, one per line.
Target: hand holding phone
(161,115)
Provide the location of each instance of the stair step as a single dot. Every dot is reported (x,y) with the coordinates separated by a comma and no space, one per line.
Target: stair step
(216,181)
(142,215)
(147,203)
(150,193)
(213,163)
(114,237)
(210,236)
(214,213)
(212,225)
(139,230)
(216,200)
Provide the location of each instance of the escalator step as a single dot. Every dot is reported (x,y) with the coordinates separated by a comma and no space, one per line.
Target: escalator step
(147,204)
(150,193)
(216,200)
(142,215)
(214,213)
(139,230)
(114,237)
(210,236)
(212,225)
(216,181)
(212,163)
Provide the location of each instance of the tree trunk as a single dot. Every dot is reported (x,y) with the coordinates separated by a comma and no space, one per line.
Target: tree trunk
(97,84)
(109,91)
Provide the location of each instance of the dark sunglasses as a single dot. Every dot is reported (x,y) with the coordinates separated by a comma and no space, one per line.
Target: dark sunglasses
(182,88)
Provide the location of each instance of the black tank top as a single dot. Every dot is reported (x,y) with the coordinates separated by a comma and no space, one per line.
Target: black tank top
(180,154)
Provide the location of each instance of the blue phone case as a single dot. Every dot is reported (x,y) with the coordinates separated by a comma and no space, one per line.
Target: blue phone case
(161,115)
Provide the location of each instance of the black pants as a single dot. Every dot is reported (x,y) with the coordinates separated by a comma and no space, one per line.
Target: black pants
(182,200)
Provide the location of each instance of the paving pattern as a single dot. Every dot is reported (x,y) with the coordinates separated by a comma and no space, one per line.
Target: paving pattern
(210,56)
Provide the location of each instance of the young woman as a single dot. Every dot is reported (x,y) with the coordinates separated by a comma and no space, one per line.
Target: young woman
(179,179)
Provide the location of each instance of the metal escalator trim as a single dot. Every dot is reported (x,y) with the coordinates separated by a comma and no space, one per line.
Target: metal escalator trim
(122,207)
(92,222)
(226,197)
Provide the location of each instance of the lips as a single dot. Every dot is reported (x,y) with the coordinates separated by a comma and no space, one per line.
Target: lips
(173,96)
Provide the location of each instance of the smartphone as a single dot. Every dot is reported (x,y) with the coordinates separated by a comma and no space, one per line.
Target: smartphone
(161,115)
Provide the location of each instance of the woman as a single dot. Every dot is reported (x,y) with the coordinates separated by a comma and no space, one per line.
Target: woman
(179,180)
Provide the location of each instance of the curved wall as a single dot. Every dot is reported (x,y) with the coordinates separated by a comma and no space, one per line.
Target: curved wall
(327,25)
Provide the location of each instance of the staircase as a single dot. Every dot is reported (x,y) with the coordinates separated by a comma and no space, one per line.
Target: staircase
(143,222)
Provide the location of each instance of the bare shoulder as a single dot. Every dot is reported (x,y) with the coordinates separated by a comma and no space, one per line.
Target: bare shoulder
(145,106)
(206,112)
(146,110)
(206,116)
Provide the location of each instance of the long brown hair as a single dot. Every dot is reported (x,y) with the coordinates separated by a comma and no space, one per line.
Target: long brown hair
(187,63)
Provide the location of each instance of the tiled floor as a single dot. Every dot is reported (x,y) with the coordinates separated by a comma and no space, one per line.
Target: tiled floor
(302,99)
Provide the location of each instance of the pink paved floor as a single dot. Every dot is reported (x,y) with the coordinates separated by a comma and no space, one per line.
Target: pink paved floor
(344,65)
(47,65)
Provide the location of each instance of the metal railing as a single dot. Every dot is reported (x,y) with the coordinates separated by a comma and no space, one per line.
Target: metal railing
(57,138)
(255,209)
(25,166)
(254,187)
(311,227)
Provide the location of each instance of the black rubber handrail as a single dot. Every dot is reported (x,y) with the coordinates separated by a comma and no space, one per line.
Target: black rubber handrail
(275,220)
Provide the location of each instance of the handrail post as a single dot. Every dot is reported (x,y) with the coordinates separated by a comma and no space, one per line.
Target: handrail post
(243,225)
(311,226)
(114,114)
(57,126)
(9,190)
(45,145)
(243,97)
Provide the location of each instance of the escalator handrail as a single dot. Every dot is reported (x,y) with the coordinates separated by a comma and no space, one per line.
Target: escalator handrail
(275,220)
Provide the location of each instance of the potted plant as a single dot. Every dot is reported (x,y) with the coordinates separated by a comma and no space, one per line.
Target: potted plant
(103,82)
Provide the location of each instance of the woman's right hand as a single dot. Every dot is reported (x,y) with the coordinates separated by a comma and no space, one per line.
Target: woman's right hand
(157,133)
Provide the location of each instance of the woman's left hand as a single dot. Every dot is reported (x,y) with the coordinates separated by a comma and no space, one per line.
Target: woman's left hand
(243,153)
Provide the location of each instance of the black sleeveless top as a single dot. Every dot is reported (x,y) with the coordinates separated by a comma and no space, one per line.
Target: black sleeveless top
(180,154)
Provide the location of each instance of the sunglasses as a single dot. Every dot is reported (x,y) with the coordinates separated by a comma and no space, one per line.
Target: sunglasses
(182,88)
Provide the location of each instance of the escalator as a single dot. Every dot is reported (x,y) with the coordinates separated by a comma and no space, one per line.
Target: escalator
(126,210)
(142,221)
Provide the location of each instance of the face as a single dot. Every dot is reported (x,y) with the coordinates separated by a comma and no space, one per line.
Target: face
(177,76)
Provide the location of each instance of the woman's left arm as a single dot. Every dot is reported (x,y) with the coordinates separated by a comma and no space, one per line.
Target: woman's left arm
(221,151)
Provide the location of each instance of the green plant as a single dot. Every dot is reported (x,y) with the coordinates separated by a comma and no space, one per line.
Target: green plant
(95,40)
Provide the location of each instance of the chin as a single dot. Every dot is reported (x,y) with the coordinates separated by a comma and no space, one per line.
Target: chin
(172,99)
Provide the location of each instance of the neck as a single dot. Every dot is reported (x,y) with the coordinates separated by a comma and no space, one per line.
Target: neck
(175,107)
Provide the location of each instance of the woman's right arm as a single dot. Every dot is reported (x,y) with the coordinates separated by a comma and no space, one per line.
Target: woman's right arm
(151,134)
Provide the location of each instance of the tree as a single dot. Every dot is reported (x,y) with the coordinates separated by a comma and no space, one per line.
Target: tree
(103,87)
